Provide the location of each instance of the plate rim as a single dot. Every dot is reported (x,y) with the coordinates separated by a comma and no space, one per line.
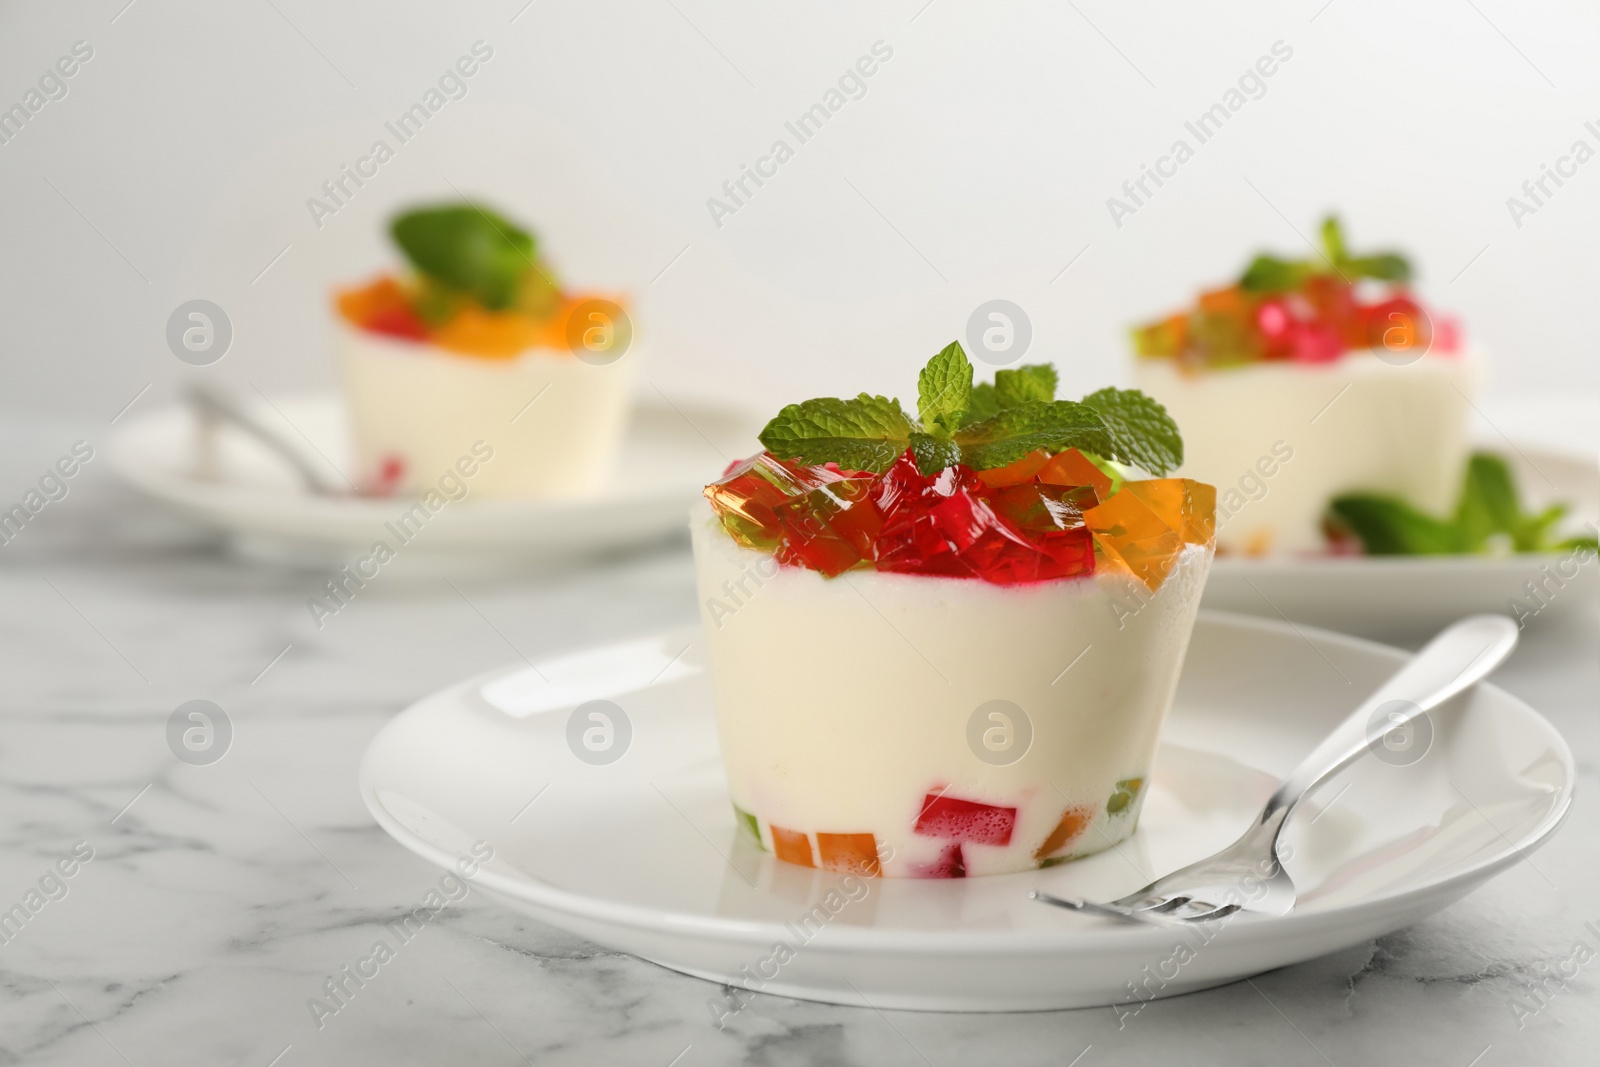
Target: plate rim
(217,501)
(1095,935)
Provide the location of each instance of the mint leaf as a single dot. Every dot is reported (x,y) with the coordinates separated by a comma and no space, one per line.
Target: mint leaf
(944,388)
(1019,385)
(1534,533)
(1333,241)
(1385,267)
(985,402)
(1390,527)
(1141,432)
(1269,274)
(933,453)
(467,248)
(1013,432)
(1488,503)
(865,434)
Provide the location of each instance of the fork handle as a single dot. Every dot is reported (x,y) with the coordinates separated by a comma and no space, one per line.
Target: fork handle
(1451,663)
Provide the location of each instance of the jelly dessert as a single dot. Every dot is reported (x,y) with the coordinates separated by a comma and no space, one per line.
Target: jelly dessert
(944,646)
(1305,380)
(478,342)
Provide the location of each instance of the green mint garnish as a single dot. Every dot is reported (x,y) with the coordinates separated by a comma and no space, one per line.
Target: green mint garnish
(865,434)
(934,454)
(985,402)
(983,426)
(1269,274)
(469,249)
(1390,527)
(1034,382)
(1053,425)
(944,389)
(1488,515)
(1142,433)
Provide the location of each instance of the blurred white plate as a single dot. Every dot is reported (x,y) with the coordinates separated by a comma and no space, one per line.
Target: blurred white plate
(1398,593)
(670,453)
(642,854)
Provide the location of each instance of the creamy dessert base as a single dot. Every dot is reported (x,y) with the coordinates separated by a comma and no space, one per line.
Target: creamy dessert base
(427,407)
(1280,440)
(857,713)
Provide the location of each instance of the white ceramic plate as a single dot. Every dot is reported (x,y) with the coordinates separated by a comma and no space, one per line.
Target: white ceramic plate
(642,854)
(668,456)
(1398,593)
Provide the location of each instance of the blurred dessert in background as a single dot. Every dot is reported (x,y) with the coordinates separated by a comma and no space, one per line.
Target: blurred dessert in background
(478,344)
(1307,380)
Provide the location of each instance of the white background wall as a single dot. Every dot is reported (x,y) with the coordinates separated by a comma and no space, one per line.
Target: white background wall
(977,165)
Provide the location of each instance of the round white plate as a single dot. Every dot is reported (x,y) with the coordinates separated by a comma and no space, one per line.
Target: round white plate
(668,456)
(642,854)
(1395,593)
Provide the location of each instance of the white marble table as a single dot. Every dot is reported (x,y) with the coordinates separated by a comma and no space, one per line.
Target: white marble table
(220,898)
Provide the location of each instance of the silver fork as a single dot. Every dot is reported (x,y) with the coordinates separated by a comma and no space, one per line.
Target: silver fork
(1248,875)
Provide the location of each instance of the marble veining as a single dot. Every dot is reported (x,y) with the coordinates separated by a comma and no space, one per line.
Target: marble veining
(221,898)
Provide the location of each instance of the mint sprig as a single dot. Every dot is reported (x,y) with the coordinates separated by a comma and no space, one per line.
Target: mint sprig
(865,434)
(1034,382)
(1488,516)
(468,249)
(982,426)
(1269,274)
(944,389)
(1142,433)
(1013,432)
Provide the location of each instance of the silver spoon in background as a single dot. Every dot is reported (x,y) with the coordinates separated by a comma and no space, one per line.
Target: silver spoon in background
(215,407)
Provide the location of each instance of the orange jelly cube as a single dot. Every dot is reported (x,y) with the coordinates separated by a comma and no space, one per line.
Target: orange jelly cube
(849,852)
(476,331)
(1188,506)
(1074,821)
(1145,526)
(1167,337)
(1229,301)
(1073,468)
(1023,470)
(791,846)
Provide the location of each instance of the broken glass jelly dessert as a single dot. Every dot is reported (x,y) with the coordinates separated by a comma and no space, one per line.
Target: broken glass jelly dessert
(476,287)
(871,583)
(475,340)
(957,524)
(1328,365)
(1302,311)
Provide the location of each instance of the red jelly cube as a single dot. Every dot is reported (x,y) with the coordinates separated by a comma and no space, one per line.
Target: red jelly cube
(1316,344)
(1039,509)
(965,820)
(857,853)
(747,496)
(1397,325)
(1334,310)
(398,321)
(791,846)
(949,864)
(831,528)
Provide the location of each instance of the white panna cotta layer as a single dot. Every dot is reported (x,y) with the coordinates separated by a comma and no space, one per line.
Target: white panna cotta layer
(844,703)
(1279,440)
(426,406)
